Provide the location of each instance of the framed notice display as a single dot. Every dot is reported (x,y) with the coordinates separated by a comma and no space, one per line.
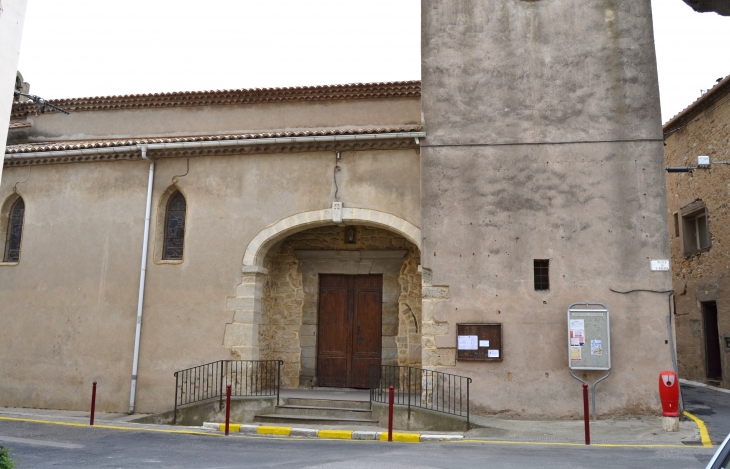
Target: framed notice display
(481,342)
(589,337)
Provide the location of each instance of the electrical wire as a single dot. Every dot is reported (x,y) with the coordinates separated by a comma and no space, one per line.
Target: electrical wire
(15,187)
(641,289)
(42,102)
(567,142)
(334,175)
(174,178)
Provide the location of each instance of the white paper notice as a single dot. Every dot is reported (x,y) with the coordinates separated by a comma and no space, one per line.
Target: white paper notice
(577,324)
(484,343)
(493,353)
(468,342)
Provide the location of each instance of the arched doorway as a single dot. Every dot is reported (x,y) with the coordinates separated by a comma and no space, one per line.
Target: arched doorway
(285,302)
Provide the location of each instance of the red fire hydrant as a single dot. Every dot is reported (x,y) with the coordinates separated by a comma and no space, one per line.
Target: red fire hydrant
(669,393)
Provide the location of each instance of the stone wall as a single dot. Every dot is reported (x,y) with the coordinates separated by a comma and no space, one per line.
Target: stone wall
(705,275)
(290,301)
(206,308)
(544,142)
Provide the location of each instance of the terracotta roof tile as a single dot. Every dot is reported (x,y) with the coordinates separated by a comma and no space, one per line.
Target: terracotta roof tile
(19,125)
(83,144)
(230,97)
(704,102)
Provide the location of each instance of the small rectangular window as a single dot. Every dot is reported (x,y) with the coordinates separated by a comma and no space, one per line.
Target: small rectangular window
(695,233)
(542,276)
(676,225)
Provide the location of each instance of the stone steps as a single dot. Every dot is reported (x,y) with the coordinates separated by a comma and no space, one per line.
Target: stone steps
(320,411)
(332,412)
(328,403)
(309,420)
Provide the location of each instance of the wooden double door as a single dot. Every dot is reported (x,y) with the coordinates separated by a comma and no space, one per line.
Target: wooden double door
(350,319)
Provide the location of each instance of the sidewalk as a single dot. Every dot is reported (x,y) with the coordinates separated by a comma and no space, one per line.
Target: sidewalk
(644,431)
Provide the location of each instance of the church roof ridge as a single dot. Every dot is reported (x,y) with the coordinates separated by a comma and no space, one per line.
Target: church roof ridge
(378,90)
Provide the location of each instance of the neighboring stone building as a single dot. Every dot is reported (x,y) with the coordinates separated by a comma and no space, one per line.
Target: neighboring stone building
(699,215)
(532,149)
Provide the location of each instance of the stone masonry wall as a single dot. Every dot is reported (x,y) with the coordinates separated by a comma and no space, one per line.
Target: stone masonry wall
(290,301)
(703,276)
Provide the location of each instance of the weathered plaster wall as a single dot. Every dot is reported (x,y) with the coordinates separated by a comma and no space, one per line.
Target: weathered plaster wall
(67,310)
(703,276)
(523,103)
(291,297)
(216,120)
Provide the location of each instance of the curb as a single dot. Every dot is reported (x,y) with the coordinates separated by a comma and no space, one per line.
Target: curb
(702,385)
(331,434)
(704,435)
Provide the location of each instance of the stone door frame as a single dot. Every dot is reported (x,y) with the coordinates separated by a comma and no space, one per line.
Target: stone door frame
(312,263)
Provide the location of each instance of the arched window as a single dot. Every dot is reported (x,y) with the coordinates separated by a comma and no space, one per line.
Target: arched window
(15,231)
(174,227)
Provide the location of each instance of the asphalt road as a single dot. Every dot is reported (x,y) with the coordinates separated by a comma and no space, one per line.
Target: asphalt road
(713,407)
(36,445)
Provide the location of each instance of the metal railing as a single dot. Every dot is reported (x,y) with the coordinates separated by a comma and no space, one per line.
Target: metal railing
(425,389)
(209,381)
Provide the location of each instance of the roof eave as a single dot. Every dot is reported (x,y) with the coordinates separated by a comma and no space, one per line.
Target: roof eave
(704,102)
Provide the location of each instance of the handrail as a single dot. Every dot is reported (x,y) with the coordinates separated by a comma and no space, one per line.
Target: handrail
(425,389)
(208,381)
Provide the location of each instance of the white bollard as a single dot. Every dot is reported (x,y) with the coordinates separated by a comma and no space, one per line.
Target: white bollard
(670,424)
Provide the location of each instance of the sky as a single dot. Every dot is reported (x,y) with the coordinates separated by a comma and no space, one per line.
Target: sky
(78,48)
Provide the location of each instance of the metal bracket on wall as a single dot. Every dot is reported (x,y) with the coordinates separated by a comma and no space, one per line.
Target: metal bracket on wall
(593,389)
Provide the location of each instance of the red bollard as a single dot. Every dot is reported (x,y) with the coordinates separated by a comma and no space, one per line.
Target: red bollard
(390,414)
(93,404)
(585,413)
(669,393)
(228,407)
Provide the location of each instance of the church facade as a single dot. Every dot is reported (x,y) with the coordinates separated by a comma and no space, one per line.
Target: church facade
(338,227)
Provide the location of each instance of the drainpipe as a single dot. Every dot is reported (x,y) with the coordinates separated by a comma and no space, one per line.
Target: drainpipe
(143,271)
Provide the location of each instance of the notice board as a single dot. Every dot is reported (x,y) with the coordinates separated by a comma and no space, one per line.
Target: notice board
(589,337)
(481,342)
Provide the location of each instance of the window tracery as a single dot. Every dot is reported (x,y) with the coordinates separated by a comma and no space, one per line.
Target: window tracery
(14,232)
(174,227)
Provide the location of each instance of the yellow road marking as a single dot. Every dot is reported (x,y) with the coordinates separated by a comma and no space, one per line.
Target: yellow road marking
(558,443)
(267,430)
(336,434)
(402,437)
(704,435)
(109,427)
(232,427)
(285,432)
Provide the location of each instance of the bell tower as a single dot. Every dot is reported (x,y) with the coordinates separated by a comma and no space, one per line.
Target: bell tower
(543,185)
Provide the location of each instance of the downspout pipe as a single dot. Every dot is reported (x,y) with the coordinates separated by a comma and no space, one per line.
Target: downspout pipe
(142,275)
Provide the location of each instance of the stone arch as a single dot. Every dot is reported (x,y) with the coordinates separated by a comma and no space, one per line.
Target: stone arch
(242,334)
(262,242)
(409,333)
